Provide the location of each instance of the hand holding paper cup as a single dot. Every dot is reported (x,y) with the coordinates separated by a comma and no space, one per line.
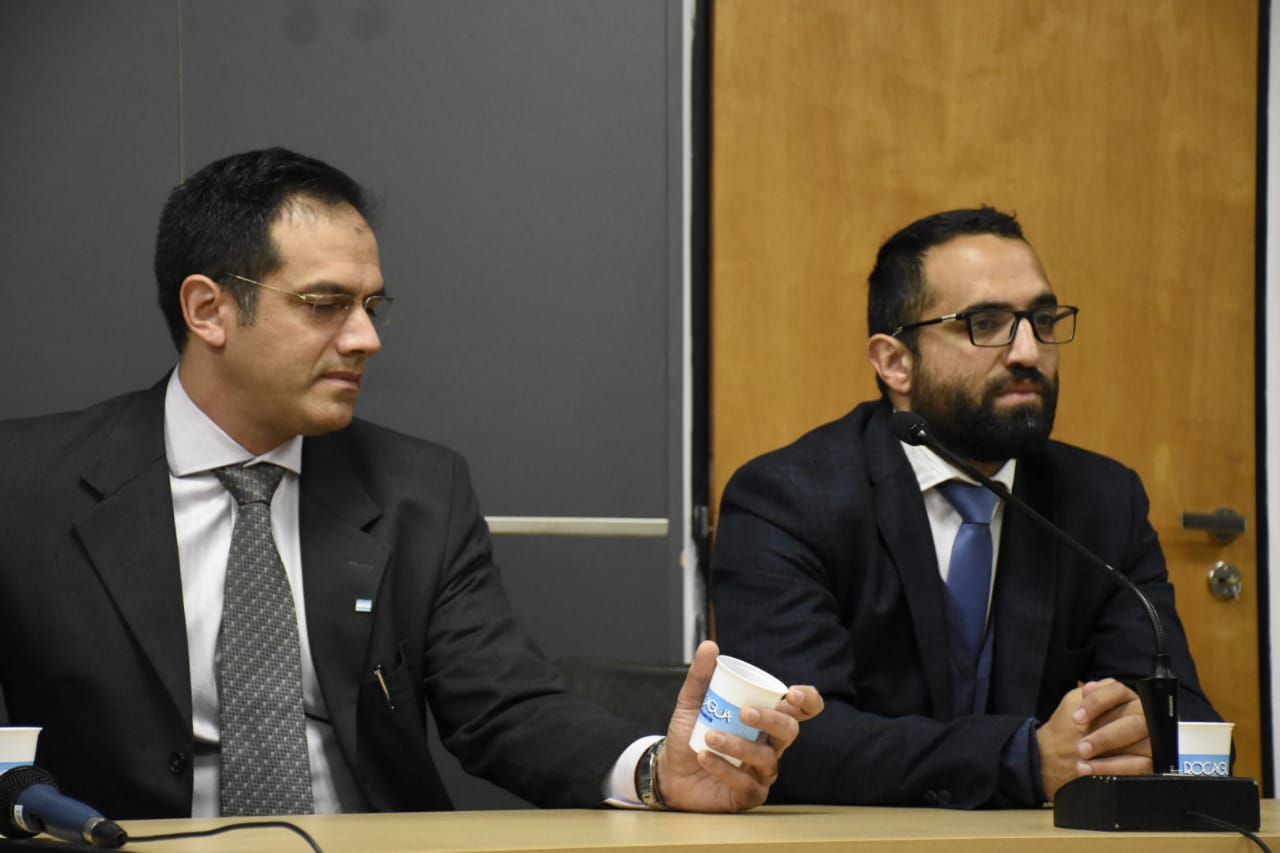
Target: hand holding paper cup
(17,746)
(1204,749)
(734,685)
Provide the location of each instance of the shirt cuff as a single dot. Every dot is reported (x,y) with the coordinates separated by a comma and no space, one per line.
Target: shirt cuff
(620,785)
(1020,767)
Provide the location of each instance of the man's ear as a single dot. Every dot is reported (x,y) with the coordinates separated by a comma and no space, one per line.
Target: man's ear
(893,362)
(207,307)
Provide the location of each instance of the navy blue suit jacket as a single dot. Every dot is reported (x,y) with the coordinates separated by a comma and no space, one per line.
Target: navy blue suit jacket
(824,572)
(94,637)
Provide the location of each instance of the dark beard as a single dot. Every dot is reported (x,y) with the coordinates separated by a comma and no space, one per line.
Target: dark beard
(975,430)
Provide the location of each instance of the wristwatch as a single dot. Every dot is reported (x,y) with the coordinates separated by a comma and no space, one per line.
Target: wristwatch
(647,776)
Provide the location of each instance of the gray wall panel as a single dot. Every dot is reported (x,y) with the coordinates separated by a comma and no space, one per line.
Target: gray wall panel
(609,590)
(520,152)
(88,102)
(527,159)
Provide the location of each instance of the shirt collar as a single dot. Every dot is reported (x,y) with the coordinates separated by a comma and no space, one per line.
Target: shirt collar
(931,471)
(193,443)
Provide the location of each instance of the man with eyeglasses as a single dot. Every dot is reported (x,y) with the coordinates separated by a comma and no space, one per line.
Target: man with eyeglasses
(227,595)
(967,658)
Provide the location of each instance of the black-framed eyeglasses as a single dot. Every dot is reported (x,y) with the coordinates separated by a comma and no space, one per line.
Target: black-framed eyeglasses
(334,307)
(996,327)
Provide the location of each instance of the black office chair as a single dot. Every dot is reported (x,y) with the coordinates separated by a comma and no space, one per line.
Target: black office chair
(644,692)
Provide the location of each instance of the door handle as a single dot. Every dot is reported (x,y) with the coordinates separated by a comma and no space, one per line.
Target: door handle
(1223,525)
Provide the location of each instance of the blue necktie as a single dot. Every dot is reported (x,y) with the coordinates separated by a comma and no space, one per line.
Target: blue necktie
(969,576)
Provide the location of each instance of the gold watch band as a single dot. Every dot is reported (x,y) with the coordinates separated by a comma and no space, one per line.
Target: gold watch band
(647,776)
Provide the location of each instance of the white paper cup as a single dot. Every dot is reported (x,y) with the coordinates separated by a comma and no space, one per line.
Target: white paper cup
(1204,749)
(17,746)
(734,685)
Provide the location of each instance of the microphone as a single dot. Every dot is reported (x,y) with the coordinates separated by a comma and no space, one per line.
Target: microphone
(1115,802)
(1159,692)
(30,804)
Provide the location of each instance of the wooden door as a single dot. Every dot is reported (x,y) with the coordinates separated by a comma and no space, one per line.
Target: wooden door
(1121,133)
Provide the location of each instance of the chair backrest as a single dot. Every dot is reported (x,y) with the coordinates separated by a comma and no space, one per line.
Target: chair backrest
(643,692)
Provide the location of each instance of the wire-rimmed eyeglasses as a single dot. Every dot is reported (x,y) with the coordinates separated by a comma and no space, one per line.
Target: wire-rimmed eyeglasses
(996,327)
(334,307)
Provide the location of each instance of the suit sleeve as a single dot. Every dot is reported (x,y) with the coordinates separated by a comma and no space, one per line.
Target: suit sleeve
(786,591)
(501,707)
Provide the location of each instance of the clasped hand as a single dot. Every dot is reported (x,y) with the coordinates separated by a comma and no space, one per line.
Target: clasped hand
(1097,729)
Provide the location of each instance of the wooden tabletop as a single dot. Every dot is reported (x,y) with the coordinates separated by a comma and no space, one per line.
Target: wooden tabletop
(812,829)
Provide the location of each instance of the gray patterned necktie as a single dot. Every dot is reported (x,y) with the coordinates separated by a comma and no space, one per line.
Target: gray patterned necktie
(264,765)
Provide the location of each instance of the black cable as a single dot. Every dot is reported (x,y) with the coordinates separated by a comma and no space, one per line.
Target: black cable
(1231,827)
(269,824)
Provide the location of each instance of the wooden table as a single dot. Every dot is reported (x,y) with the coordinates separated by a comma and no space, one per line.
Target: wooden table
(811,829)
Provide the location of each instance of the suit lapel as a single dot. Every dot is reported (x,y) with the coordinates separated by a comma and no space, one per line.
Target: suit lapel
(130,540)
(341,565)
(904,527)
(1025,588)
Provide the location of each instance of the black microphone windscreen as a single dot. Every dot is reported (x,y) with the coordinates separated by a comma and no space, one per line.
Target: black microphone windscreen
(909,427)
(12,784)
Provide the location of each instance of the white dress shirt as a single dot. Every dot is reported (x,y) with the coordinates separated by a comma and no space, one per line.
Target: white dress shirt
(944,521)
(1020,755)
(204,513)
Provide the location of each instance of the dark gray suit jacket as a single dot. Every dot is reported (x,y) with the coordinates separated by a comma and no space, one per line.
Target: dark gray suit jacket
(94,638)
(824,572)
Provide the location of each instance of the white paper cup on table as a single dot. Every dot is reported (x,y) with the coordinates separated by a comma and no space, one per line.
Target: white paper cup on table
(17,746)
(734,685)
(1204,749)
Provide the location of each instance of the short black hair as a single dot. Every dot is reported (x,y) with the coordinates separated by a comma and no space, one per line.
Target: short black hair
(219,220)
(897,292)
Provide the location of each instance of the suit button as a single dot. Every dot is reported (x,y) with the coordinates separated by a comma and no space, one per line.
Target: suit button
(944,798)
(930,798)
(177,763)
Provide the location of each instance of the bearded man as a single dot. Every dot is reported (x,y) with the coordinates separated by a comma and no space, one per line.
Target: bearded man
(952,676)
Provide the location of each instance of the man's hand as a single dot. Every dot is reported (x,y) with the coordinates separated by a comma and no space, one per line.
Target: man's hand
(705,782)
(1098,728)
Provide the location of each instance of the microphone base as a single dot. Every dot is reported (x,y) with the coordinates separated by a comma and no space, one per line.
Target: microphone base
(1157,803)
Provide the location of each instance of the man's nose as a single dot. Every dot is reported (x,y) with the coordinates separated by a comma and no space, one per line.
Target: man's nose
(359,334)
(1025,346)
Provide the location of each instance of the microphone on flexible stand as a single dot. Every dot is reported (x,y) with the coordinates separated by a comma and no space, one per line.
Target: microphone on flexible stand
(1159,691)
(1152,802)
